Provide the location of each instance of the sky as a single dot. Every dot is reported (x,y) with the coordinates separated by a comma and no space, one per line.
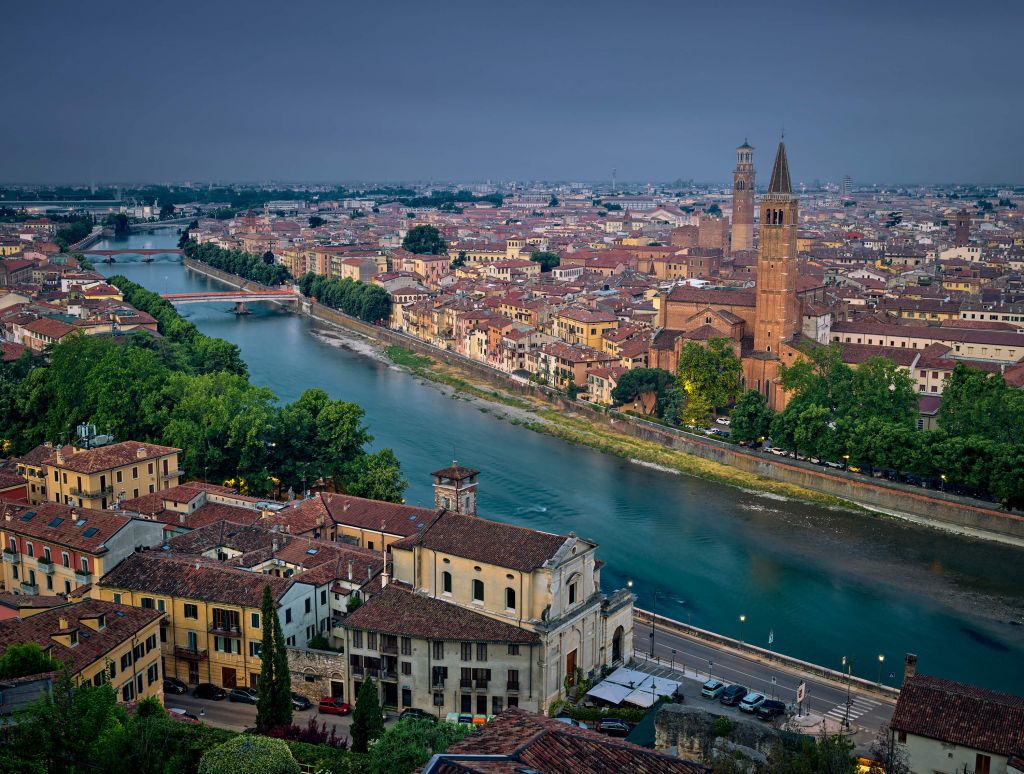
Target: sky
(886,92)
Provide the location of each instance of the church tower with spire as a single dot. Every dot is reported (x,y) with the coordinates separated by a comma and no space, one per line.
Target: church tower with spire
(777,307)
(743,199)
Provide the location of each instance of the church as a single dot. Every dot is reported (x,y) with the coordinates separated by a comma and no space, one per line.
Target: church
(763,323)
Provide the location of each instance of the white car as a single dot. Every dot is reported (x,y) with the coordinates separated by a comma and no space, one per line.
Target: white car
(712,689)
(723,421)
(752,701)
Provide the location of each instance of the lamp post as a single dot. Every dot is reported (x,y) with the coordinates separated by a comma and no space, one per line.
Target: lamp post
(654,621)
(743,619)
(848,664)
(881,660)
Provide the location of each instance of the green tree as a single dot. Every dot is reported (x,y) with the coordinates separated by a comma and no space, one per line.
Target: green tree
(553,202)
(367,720)
(410,743)
(26,659)
(458,261)
(710,375)
(274,706)
(377,476)
(425,240)
(637,381)
(751,418)
(166,210)
(315,221)
(248,754)
(546,259)
(149,742)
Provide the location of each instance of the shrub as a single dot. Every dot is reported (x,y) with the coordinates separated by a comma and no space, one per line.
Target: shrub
(250,754)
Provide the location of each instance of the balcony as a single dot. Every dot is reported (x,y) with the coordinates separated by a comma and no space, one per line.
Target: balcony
(44,564)
(389,647)
(437,686)
(103,491)
(463,683)
(172,474)
(83,577)
(357,670)
(190,654)
(480,685)
(226,631)
(29,588)
(11,556)
(388,674)
(512,685)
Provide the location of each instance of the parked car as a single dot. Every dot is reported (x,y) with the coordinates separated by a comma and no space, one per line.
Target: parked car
(723,421)
(733,695)
(752,701)
(831,464)
(300,702)
(416,714)
(244,695)
(779,452)
(712,689)
(613,727)
(853,469)
(181,714)
(174,685)
(332,706)
(770,709)
(209,691)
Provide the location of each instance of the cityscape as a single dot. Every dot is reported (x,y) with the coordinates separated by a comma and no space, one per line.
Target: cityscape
(418,406)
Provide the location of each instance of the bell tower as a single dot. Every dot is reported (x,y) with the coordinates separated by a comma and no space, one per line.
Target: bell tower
(455,489)
(743,199)
(777,309)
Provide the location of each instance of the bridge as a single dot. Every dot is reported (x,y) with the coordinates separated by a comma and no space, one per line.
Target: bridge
(238,297)
(134,251)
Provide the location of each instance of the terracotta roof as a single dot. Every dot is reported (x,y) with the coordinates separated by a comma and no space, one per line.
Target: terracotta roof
(360,512)
(192,578)
(483,540)
(121,623)
(518,741)
(397,610)
(106,457)
(82,529)
(455,472)
(712,297)
(961,714)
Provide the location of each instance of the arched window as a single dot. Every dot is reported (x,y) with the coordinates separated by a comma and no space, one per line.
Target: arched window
(510,598)
(446,582)
(478,590)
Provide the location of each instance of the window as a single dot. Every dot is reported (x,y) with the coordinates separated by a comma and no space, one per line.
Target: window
(152,674)
(128,691)
(30,549)
(65,559)
(513,650)
(513,701)
(323,597)
(227,645)
(255,648)
(309,604)
(446,582)
(478,590)
(467,651)
(357,638)
(254,620)
(191,611)
(496,705)
(513,679)
(573,591)
(126,660)
(406,646)
(160,605)
(46,553)
(147,603)
(135,472)
(150,642)
(481,651)
(406,667)
(510,598)
(288,615)
(119,477)
(150,469)
(371,640)
(438,650)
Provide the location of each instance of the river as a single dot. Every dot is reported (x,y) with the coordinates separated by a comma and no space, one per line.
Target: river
(826,583)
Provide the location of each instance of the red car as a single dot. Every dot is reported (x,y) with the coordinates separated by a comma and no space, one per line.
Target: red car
(332,706)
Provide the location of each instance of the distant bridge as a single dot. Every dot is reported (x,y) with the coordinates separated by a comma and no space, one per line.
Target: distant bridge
(238,297)
(134,251)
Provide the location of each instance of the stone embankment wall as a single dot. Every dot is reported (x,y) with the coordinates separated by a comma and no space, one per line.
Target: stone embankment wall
(936,508)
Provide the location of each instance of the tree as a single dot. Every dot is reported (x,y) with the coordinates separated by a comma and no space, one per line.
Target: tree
(410,743)
(638,381)
(377,476)
(248,753)
(458,261)
(315,221)
(710,375)
(751,418)
(26,659)
(553,202)
(546,259)
(425,240)
(892,756)
(274,706)
(166,210)
(367,721)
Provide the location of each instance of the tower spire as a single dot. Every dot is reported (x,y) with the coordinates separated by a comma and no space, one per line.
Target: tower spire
(780,182)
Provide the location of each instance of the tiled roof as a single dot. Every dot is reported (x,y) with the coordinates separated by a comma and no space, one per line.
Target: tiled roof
(394,518)
(192,578)
(518,740)
(712,297)
(483,540)
(121,623)
(106,457)
(82,529)
(961,714)
(397,610)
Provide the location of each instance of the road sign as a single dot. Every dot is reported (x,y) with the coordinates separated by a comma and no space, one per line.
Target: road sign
(771,636)
(673,651)
(801,692)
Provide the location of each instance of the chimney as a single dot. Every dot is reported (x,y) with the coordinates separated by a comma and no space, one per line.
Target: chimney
(62,622)
(60,455)
(140,453)
(349,568)
(909,666)
(273,546)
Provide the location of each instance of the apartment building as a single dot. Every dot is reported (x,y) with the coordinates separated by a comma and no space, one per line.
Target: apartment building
(96,478)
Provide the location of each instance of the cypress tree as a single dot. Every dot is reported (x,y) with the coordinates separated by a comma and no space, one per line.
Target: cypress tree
(282,689)
(265,703)
(367,722)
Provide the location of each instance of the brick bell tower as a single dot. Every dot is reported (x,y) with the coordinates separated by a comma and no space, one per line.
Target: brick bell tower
(777,307)
(743,200)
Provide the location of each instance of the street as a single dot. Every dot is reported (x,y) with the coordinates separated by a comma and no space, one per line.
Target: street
(237,716)
(675,654)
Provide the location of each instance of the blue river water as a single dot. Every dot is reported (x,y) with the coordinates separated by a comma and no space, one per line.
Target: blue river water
(826,583)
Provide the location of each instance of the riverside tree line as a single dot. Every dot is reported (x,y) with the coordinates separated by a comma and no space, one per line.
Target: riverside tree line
(191,391)
(864,417)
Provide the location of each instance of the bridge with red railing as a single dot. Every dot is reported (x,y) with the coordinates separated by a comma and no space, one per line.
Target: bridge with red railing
(238,297)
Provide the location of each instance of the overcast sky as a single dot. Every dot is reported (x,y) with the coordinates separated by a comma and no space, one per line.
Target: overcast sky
(913,90)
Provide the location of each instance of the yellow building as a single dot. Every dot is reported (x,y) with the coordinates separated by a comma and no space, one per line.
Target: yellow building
(100,641)
(55,549)
(583,326)
(212,627)
(96,478)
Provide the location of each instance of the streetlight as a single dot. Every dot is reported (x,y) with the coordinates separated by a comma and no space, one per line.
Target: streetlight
(881,660)
(654,621)
(944,480)
(848,664)
(743,618)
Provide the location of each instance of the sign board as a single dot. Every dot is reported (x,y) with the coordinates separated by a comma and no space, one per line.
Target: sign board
(801,692)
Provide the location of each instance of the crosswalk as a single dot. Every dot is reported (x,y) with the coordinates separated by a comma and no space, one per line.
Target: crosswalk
(859,705)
